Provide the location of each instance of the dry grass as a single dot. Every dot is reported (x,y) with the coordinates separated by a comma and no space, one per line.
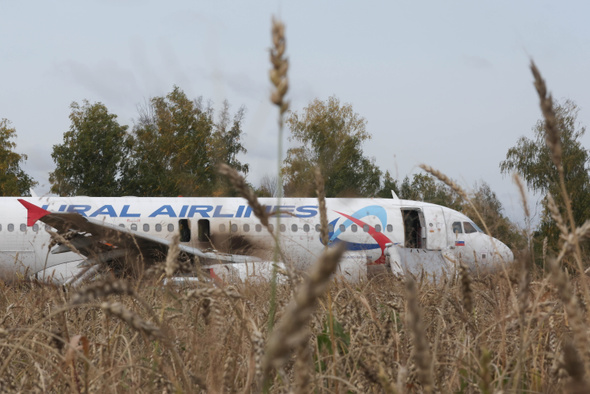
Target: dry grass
(386,337)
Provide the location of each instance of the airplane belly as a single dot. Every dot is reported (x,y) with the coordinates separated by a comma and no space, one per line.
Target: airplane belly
(433,263)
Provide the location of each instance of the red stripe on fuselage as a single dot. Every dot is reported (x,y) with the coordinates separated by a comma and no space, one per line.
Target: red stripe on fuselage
(377,236)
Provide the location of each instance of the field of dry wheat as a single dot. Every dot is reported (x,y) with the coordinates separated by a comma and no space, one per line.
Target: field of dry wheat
(497,332)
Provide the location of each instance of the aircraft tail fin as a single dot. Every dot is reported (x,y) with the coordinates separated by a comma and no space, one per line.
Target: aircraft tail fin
(34,212)
(395,197)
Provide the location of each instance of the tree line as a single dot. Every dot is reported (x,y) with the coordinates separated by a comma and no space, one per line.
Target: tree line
(177,143)
(172,150)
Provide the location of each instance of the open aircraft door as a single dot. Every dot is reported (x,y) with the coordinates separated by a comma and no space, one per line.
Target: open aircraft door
(436,230)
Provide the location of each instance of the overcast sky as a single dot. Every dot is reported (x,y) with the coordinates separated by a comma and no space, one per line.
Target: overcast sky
(446,83)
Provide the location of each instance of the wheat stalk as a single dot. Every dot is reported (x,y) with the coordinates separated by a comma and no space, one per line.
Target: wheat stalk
(553,140)
(239,183)
(422,357)
(552,135)
(572,309)
(102,290)
(291,330)
(319,184)
(280,65)
(172,256)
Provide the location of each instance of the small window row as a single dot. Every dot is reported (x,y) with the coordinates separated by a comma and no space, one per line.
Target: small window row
(22,227)
(305,228)
(234,228)
(146,227)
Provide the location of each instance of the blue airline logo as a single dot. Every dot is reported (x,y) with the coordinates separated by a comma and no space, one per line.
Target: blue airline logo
(187,211)
(380,238)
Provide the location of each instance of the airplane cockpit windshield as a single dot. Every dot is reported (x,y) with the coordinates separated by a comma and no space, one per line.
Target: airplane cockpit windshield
(465,227)
(471,227)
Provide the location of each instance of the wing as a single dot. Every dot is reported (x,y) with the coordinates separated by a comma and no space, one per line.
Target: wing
(103,241)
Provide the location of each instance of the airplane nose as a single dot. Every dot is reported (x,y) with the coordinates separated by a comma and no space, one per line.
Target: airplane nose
(502,253)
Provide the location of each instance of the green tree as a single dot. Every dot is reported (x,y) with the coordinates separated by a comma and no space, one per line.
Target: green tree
(531,158)
(13,180)
(89,160)
(177,145)
(389,184)
(225,147)
(424,187)
(269,186)
(490,209)
(329,135)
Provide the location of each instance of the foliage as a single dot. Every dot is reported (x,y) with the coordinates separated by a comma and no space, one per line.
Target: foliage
(89,160)
(424,187)
(177,146)
(13,180)
(226,146)
(269,186)
(389,184)
(531,158)
(330,135)
(490,209)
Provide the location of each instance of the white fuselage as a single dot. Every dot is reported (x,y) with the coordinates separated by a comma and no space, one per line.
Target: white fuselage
(367,226)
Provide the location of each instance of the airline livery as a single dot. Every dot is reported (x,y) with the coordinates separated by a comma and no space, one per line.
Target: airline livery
(61,237)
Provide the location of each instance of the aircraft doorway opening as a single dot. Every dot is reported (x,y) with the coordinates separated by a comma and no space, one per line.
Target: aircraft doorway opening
(204,230)
(414,231)
(185,230)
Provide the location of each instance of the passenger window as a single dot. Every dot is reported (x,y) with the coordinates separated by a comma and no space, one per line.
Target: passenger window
(234,228)
(11,227)
(306,228)
(378,228)
(158,227)
(294,228)
(366,228)
(122,225)
(342,228)
(23,227)
(35,227)
(457,229)
(170,227)
(331,228)
(134,227)
(222,228)
(354,228)
(389,228)
(317,228)
(146,227)
(271,227)
(0,227)
(283,228)
(246,228)
(469,228)
(258,228)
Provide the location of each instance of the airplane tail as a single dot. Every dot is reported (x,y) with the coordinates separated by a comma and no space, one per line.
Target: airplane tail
(34,212)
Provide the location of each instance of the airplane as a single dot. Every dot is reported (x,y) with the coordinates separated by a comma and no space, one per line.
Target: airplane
(66,239)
